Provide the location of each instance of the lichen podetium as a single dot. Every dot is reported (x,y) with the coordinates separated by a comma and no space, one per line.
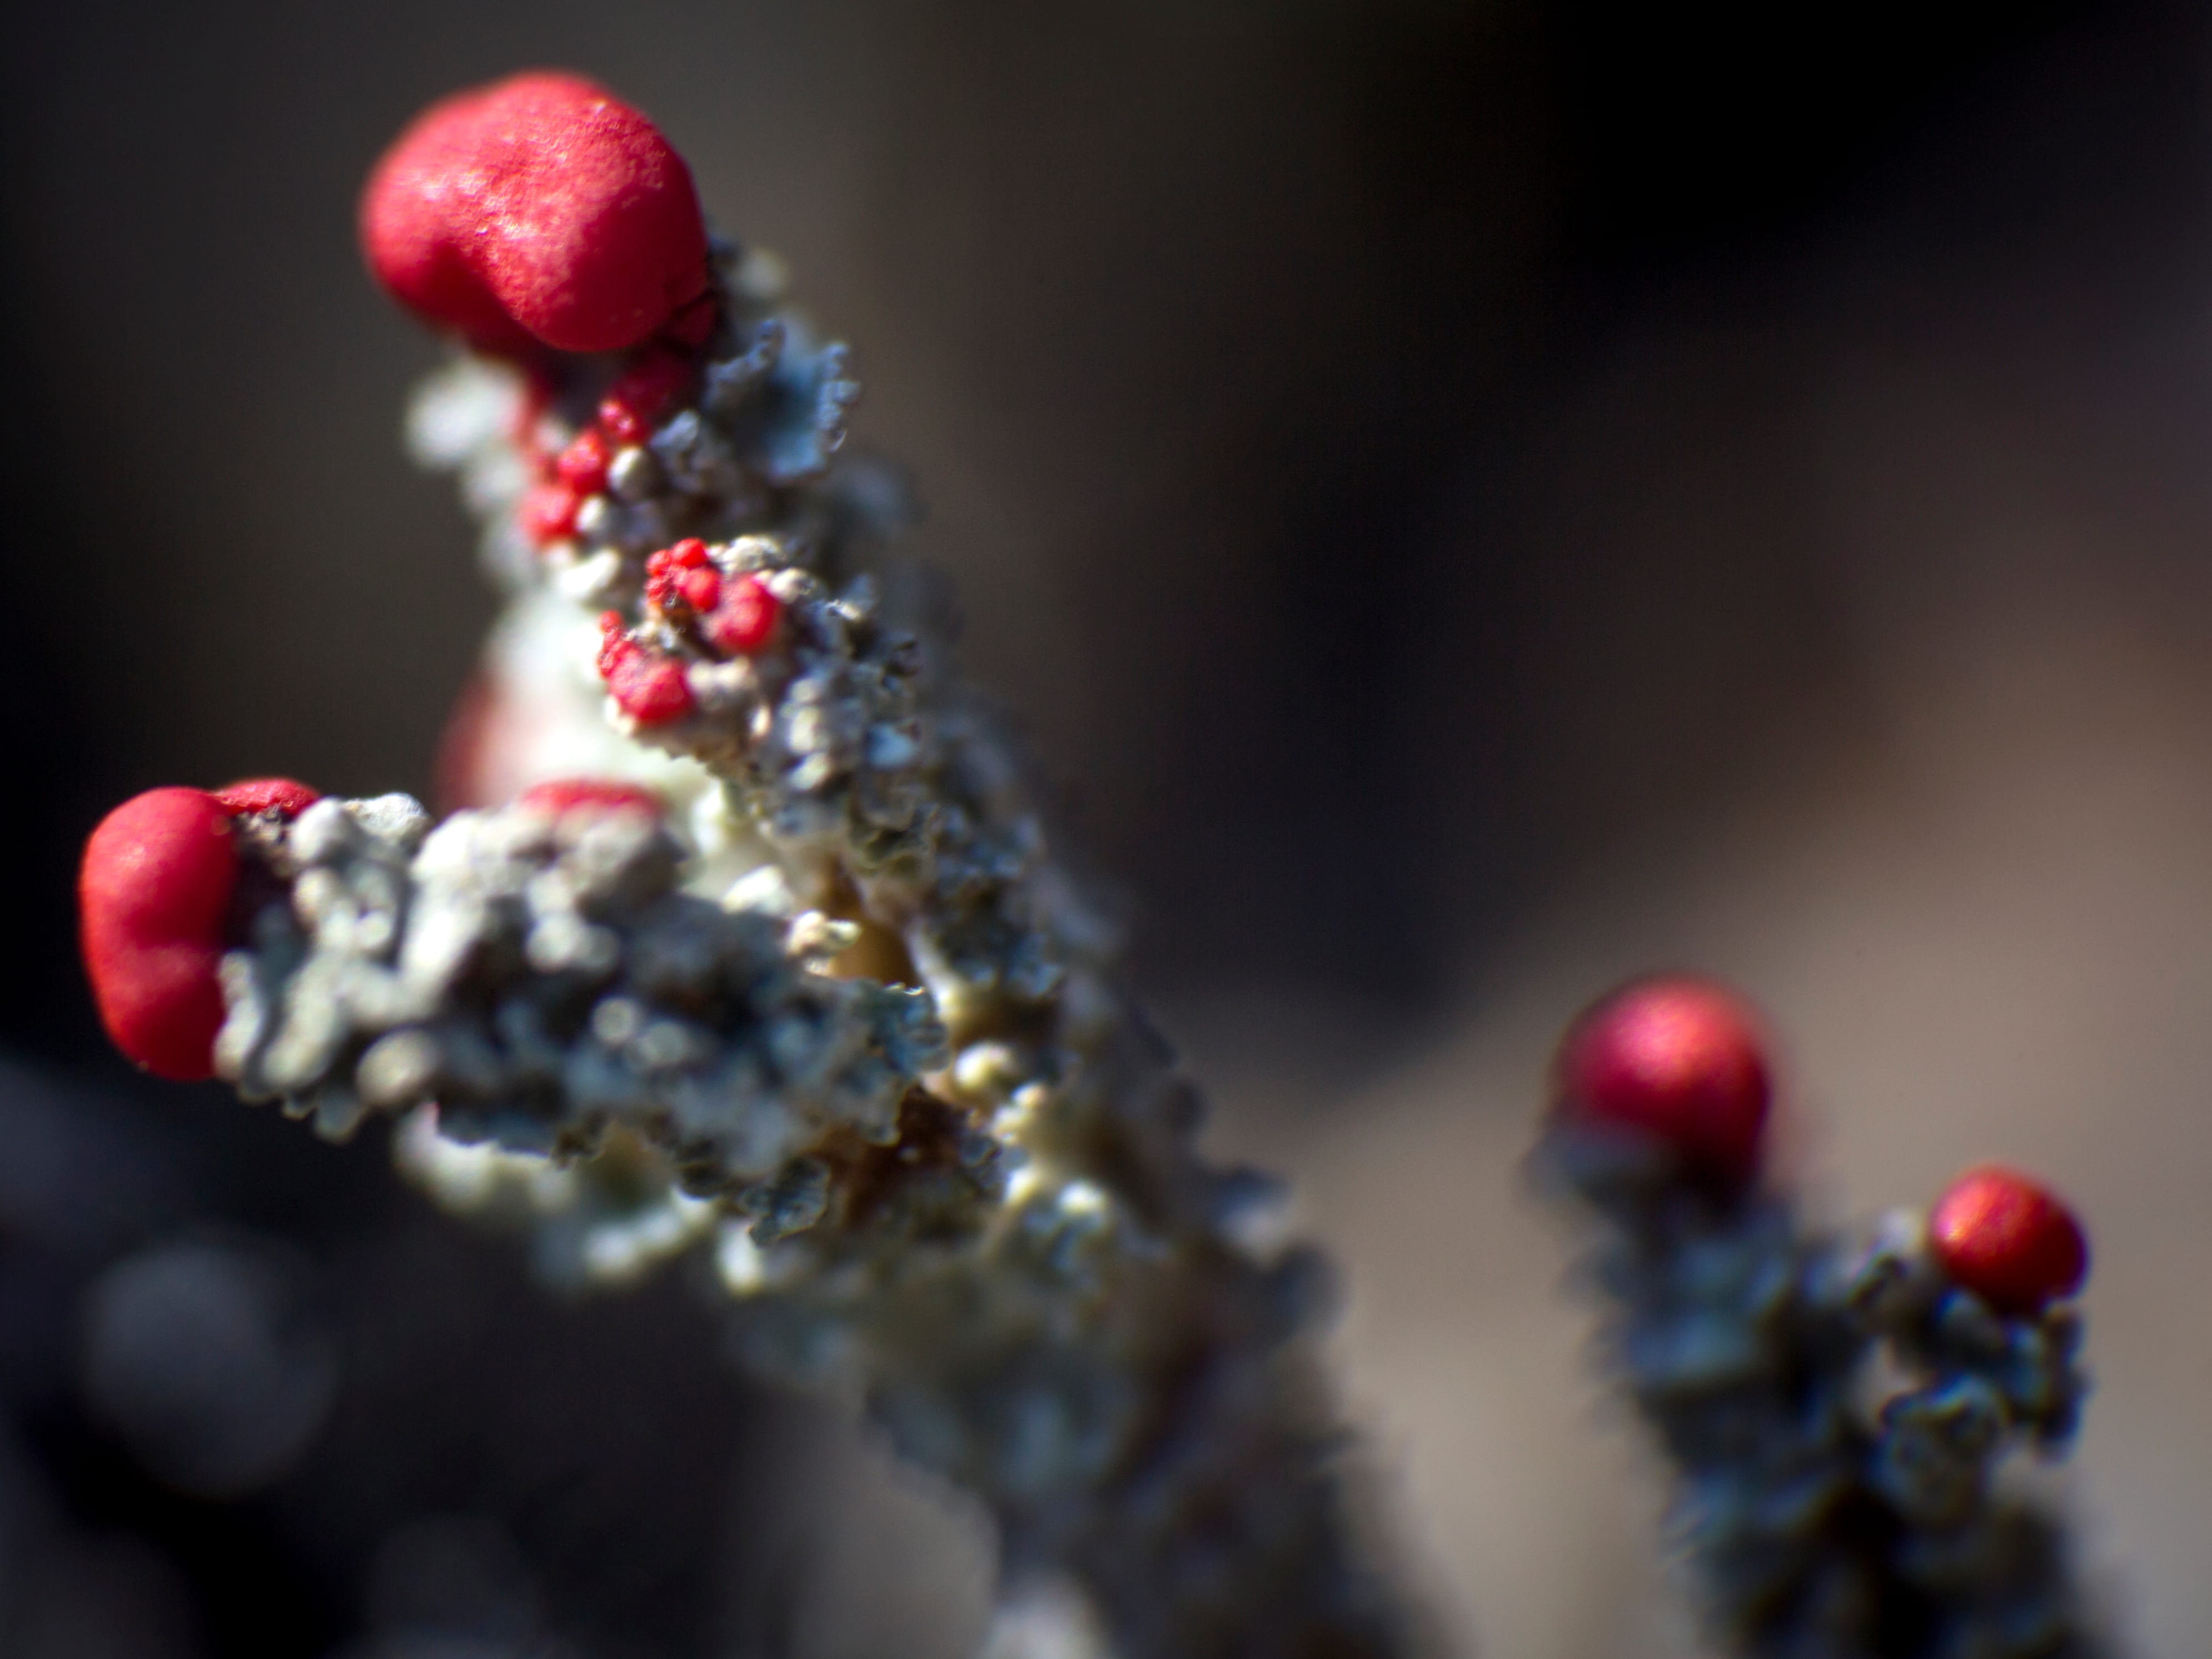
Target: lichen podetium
(749,937)
(1837,1409)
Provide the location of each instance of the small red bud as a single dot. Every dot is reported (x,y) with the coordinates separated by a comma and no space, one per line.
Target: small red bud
(746,619)
(682,574)
(281,795)
(2008,1240)
(634,402)
(152,895)
(700,589)
(537,209)
(650,688)
(548,513)
(1677,1058)
(559,795)
(583,465)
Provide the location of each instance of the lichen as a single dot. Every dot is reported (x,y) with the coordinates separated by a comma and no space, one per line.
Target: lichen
(842,1017)
(1838,1415)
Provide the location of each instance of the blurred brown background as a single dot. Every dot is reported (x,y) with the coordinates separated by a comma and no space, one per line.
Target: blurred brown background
(1472,499)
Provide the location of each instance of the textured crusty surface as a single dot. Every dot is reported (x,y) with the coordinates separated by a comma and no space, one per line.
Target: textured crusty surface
(1837,1413)
(841,1015)
(543,980)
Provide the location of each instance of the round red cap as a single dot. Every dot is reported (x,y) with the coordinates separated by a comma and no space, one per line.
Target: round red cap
(152,895)
(1678,1058)
(539,210)
(2008,1240)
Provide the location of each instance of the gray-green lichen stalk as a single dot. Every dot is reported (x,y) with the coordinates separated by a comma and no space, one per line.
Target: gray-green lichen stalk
(842,1015)
(1838,1415)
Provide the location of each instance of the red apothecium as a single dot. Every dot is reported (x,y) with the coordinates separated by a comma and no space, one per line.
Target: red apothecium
(682,574)
(1677,1058)
(548,512)
(152,895)
(583,465)
(538,210)
(648,687)
(746,618)
(559,795)
(2006,1239)
(284,796)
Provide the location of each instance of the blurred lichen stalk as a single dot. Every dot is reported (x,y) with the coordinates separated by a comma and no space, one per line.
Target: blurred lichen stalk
(749,939)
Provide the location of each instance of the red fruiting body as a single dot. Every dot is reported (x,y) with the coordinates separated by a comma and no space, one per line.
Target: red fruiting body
(700,589)
(1677,1058)
(634,402)
(2008,1240)
(559,795)
(583,465)
(650,688)
(548,513)
(536,210)
(152,895)
(682,574)
(268,795)
(746,619)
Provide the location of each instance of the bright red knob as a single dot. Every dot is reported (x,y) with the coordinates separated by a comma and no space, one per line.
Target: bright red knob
(583,465)
(559,795)
(548,513)
(650,688)
(683,575)
(2008,1240)
(152,895)
(536,210)
(1677,1058)
(746,618)
(283,795)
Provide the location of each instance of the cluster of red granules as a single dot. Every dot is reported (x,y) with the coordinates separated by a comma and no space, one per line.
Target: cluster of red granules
(736,617)
(153,902)
(682,587)
(683,578)
(1681,1060)
(539,211)
(648,685)
(627,415)
(642,393)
